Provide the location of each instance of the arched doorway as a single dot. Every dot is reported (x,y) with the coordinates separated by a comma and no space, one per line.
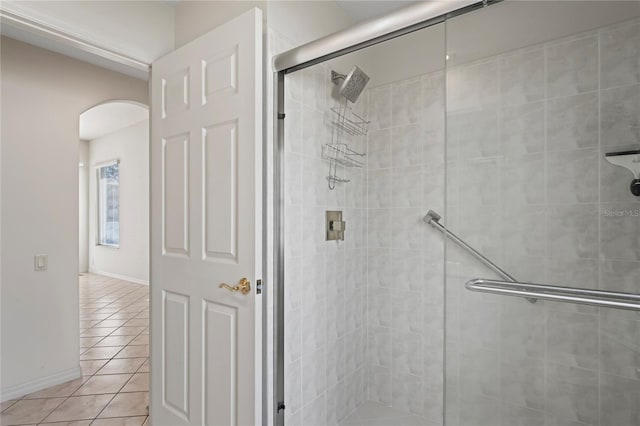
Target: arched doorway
(114,256)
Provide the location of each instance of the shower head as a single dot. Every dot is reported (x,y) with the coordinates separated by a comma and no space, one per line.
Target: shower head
(352,84)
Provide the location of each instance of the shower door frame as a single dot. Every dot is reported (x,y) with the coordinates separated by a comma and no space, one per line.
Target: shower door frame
(394,25)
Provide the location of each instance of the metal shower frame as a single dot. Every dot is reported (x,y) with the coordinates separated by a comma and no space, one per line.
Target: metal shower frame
(396,24)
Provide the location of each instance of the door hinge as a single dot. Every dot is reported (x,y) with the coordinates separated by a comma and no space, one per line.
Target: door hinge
(280,406)
(281,116)
(259,287)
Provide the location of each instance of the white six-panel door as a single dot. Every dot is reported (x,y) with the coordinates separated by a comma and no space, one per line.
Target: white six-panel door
(206,169)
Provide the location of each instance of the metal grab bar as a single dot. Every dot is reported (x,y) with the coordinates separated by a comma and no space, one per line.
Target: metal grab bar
(607,299)
(432,218)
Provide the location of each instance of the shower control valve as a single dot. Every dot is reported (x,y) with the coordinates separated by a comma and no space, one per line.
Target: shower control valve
(335,226)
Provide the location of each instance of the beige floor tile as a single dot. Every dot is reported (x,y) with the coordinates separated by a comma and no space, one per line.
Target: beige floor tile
(79,408)
(127,404)
(7,404)
(145,367)
(107,310)
(59,391)
(130,351)
(94,316)
(122,316)
(99,331)
(106,352)
(89,368)
(113,315)
(134,308)
(112,322)
(122,366)
(115,341)
(87,342)
(138,321)
(138,383)
(29,411)
(120,421)
(128,331)
(142,339)
(110,383)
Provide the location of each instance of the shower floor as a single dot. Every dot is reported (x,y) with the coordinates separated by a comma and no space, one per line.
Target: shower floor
(374,413)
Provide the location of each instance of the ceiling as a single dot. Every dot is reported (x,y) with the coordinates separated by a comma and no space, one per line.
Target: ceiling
(362,10)
(110,117)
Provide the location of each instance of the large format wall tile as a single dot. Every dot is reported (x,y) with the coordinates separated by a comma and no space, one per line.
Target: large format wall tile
(522,383)
(620,231)
(572,395)
(572,176)
(620,116)
(406,102)
(620,347)
(572,231)
(619,401)
(572,122)
(522,129)
(522,77)
(572,67)
(572,339)
(619,53)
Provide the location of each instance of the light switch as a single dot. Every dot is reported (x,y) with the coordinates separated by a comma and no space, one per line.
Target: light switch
(40,262)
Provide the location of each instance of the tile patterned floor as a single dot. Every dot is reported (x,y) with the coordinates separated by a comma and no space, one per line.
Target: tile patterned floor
(114,357)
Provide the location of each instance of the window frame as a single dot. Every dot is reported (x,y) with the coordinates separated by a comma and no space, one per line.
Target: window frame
(99,228)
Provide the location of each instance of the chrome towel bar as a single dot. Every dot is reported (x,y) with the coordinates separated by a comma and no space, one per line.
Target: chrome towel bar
(607,299)
(432,218)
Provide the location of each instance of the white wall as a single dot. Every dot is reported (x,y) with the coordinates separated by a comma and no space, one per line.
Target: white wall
(299,21)
(43,94)
(83,206)
(131,260)
(142,30)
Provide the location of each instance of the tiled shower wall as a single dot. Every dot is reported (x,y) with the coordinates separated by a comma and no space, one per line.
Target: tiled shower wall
(529,187)
(405,178)
(324,280)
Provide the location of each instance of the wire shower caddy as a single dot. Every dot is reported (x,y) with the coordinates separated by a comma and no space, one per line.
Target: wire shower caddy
(344,121)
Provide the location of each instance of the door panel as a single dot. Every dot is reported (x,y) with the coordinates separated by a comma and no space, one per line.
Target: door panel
(176,352)
(206,215)
(175,191)
(221,232)
(221,348)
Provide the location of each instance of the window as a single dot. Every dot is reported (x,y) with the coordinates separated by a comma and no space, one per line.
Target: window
(109,204)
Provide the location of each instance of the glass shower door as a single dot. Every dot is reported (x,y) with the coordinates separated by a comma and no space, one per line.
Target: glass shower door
(543,104)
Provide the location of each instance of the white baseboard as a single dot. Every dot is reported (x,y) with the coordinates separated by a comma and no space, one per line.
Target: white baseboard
(17,391)
(120,277)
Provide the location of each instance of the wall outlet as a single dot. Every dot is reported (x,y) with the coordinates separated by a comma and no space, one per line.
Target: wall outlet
(40,262)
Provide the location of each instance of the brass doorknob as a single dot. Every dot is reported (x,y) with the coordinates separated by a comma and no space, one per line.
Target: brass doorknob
(243,286)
